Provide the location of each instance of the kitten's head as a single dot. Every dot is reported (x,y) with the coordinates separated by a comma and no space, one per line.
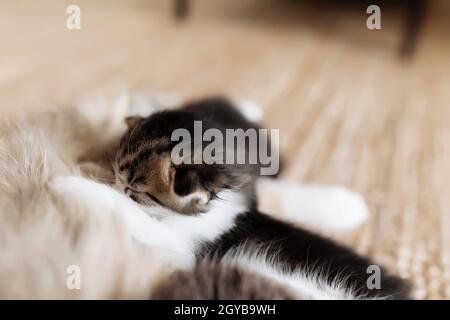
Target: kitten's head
(145,171)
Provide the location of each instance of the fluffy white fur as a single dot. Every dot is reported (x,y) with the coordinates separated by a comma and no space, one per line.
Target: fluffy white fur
(155,226)
(52,218)
(105,200)
(209,226)
(42,234)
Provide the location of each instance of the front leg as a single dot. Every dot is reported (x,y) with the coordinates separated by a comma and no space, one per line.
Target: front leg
(100,199)
(296,250)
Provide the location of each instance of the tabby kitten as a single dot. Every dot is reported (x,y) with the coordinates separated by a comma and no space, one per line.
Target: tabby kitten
(145,170)
(215,209)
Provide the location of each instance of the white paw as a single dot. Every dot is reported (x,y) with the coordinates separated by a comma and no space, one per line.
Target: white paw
(82,191)
(251,110)
(141,104)
(339,209)
(144,103)
(100,199)
(318,207)
(107,114)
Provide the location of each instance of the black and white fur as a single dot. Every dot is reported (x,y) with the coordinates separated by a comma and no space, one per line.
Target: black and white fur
(232,229)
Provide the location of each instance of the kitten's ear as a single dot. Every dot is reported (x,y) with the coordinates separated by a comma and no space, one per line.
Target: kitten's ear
(133,121)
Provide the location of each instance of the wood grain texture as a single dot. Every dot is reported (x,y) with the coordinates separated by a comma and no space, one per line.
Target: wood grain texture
(349,110)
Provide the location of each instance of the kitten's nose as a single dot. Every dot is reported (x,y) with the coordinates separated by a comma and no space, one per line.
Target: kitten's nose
(128,191)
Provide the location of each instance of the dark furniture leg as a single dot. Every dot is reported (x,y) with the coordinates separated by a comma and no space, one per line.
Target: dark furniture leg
(415,16)
(181,9)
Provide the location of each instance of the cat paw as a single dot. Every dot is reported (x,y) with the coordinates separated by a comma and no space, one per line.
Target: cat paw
(340,209)
(251,110)
(323,208)
(82,191)
(107,114)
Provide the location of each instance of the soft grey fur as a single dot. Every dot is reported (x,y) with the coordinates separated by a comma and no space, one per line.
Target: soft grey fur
(41,235)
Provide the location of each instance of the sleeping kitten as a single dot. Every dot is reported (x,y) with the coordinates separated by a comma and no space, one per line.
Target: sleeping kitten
(214,209)
(146,172)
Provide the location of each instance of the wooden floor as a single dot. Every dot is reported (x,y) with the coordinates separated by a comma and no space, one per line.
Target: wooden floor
(349,110)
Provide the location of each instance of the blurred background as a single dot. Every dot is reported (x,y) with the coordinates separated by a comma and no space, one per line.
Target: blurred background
(367,109)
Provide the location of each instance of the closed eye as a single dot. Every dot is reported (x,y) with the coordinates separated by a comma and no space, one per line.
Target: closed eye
(148,194)
(133,197)
(154,198)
